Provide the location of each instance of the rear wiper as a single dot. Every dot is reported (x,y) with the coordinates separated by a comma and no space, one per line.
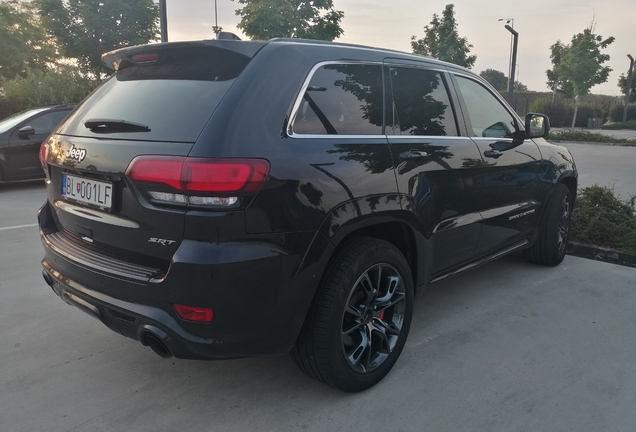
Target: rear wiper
(114,125)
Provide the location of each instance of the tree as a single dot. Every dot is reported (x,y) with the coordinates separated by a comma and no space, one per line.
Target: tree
(442,41)
(85,29)
(24,45)
(266,19)
(499,80)
(578,67)
(496,78)
(622,83)
(58,84)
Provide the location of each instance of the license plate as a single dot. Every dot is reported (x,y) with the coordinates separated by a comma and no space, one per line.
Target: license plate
(87,191)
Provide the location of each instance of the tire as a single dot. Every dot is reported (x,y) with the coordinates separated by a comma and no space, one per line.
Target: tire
(360,317)
(549,248)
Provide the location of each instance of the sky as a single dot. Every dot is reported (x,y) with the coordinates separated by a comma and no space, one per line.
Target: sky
(391,23)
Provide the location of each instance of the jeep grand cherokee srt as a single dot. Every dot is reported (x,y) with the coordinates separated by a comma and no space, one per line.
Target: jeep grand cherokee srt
(226,198)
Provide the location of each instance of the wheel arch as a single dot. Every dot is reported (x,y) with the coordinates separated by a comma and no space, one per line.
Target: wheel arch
(572,184)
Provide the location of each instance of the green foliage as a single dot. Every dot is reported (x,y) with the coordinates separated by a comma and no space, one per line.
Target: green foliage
(23,43)
(628,125)
(622,84)
(441,40)
(499,81)
(577,67)
(85,29)
(584,136)
(590,110)
(7,108)
(266,19)
(559,112)
(616,113)
(63,84)
(496,78)
(602,219)
(556,80)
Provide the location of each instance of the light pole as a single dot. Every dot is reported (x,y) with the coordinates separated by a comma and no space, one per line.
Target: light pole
(163,19)
(510,21)
(628,90)
(511,81)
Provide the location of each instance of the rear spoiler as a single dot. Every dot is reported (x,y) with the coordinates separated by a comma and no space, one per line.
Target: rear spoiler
(113,59)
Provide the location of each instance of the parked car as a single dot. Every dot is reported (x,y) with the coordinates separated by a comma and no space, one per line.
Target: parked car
(223,199)
(21,136)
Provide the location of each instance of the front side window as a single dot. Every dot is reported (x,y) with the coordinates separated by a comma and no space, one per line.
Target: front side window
(421,105)
(488,117)
(342,99)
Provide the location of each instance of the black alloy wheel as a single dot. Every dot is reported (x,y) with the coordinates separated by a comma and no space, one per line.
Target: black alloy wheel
(563,224)
(360,318)
(373,318)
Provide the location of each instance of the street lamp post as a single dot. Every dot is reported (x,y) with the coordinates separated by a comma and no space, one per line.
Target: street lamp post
(628,90)
(510,21)
(163,19)
(511,80)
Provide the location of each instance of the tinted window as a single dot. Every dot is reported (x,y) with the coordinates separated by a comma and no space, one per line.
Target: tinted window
(47,122)
(12,121)
(489,118)
(174,97)
(421,105)
(342,99)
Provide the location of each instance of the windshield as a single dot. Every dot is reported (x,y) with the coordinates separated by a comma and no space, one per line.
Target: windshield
(15,119)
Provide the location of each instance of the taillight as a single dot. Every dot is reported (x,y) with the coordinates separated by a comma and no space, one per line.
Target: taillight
(198,181)
(193,313)
(44,155)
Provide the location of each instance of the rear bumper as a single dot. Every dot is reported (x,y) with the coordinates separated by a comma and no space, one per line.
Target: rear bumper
(139,322)
(260,290)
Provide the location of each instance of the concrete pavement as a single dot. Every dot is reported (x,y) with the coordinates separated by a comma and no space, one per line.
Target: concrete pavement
(508,346)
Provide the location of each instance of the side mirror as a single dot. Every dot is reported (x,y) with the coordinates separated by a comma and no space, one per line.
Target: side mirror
(24,132)
(537,125)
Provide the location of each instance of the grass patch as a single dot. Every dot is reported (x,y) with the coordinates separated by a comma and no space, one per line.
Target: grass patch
(631,125)
(602,219)
(585,136)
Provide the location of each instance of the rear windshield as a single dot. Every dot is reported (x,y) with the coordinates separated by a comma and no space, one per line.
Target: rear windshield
(174,96)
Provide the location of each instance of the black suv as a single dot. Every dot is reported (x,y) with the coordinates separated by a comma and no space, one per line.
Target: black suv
(225,198)
(21,136)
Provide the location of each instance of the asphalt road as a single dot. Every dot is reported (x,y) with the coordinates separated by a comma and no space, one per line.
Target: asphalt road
(507,347)
(606,165)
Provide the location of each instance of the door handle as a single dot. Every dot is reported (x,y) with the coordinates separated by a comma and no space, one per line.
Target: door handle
(413,155)
(493,153)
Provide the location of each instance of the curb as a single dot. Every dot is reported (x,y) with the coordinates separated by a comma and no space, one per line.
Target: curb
(601,254)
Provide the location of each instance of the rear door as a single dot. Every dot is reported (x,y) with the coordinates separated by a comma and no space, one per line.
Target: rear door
(439,170)
(512,165)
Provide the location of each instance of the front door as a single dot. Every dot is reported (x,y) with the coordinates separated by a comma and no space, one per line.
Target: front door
(23,150)
(512,164)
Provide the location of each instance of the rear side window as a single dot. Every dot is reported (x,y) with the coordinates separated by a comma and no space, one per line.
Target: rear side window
(421,105)
(174,96)
(343,99)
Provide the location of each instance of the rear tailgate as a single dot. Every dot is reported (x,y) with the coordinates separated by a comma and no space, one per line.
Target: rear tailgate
(157,104)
